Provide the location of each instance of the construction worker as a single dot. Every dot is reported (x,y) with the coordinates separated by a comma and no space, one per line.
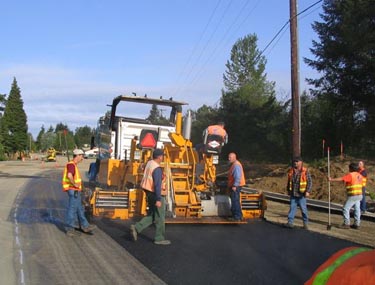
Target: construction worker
(153,185)
(353,184)
(236,180)
(363,172)
(298,187)
(72,184)
(216,130)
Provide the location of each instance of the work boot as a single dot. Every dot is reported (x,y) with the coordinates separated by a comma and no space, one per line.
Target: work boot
(305,226)
(89,228)
(133,232)
(162,242)
(72,233)
(344,227)
(288,225)
(355,226)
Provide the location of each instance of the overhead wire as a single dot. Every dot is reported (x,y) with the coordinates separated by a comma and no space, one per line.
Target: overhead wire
(284,26)
(207,42)
(213,54)
(280,33)
(187,63)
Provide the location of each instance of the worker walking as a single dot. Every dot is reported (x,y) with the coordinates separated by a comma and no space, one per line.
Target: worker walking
(353,184)
(236,180)
(299,187)
(363,172)
(72,184)
(218,130)
(153,184)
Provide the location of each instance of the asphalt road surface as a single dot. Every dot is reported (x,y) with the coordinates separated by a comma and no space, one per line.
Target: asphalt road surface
(35,249)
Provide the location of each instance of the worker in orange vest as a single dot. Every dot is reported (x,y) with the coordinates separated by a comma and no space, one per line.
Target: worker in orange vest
(236,180)
(353,184)
(72,184)
(153,184)
(298,187)
(217,129)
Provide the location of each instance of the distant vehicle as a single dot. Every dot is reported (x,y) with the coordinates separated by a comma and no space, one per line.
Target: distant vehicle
(91,153)
(51,154)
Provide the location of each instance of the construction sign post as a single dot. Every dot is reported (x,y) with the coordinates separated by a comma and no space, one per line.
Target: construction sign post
(329,194)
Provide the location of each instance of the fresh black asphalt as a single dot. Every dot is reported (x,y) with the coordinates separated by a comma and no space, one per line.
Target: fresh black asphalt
(255,253)
(259,252)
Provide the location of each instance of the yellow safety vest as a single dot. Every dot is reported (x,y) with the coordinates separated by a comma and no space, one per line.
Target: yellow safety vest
(66,185)
(302,181)
(354,187)
(147,181)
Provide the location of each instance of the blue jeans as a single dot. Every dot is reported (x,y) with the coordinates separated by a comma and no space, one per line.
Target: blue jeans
(301,202)
(349,203)
(235,203)
(363,201)
(75,209)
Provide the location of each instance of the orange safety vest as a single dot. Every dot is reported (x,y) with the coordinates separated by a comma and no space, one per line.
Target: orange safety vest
(302,181)
(66,185)
(147,182)
(364,178)
(216,130)
(231,178)
(351,265)
(354,187)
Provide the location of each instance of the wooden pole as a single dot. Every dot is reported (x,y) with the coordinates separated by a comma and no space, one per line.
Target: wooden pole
(296,114)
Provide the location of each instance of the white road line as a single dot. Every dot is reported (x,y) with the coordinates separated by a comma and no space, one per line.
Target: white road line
(18,242)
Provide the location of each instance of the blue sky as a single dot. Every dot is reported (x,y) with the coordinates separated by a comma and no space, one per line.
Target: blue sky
(71,58)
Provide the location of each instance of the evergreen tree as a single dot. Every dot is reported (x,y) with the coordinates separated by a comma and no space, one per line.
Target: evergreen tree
(156,117)
(154,114)
(39,137)
(344,57)
(2,107)
(14,123)
(254,120)
(246,64)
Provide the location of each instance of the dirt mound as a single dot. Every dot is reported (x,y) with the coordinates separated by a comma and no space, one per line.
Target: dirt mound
(273,177)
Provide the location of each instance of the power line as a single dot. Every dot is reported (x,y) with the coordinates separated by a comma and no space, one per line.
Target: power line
(213,54)
(207,42)
(197,44)
(285,25)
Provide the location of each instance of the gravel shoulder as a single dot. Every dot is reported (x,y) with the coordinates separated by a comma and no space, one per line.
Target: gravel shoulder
(277,213)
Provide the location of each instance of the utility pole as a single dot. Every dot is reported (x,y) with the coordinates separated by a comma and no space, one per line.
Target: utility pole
(296,113)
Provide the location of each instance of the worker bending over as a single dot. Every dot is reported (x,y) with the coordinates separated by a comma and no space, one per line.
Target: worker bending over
(216,130)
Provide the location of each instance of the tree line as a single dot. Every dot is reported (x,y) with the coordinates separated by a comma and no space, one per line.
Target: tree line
(16,141)
(338,109)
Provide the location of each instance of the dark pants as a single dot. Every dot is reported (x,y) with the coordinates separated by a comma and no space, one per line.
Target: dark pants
(155,216)
(236,205)
(363,201)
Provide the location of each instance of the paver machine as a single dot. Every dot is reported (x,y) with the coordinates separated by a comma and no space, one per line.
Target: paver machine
(125,146)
